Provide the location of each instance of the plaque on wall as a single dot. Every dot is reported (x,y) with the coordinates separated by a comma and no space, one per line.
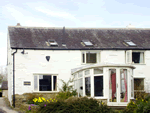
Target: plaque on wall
(27,83)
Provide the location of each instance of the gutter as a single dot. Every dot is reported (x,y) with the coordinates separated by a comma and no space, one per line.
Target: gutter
(14,78)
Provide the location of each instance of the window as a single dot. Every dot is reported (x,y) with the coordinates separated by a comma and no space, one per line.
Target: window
(98,71)
(123,85)
(138,84)
(82,83)
(52,42)
(98,85)
(112,86)
(87,43)
(136,57)
(88,86)
(130,43)
(132,87)
(45,83)
(98,82)
(90,57)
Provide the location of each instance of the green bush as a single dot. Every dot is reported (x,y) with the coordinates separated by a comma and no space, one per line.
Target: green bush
(77,105)
(66,91)
(142,104)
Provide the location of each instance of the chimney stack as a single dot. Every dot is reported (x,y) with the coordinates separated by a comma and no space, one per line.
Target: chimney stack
(18,24)
(130,26)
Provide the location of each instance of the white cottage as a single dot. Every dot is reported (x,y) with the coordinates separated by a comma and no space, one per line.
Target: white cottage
(106,63)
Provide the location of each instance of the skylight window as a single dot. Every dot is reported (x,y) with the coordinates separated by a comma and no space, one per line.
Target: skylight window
(130,43)
(87,43)
(53,43)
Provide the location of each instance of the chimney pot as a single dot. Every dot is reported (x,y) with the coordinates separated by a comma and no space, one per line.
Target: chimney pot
(18,24)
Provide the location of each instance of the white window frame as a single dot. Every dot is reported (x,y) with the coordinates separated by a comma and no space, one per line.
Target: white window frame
(143,81)
(51,82)
(129,56)
(98,56)
(94,75)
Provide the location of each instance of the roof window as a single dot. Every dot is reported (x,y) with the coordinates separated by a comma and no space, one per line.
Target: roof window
(52,42)
(87,43)
(130,43)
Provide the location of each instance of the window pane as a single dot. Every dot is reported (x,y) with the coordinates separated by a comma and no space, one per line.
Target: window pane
(112,86)
(87,86)
(132,89)
(136,57)
(45,83)
(80,87)
(75,76)
(55,83)
(124,85)
(98,71)
(35,83)
(141,57)
(80,74)
(91,58)
(83,58)
(87,72)
(98,85)
(139,84)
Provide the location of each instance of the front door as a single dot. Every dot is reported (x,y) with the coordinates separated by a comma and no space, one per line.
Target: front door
(118,87)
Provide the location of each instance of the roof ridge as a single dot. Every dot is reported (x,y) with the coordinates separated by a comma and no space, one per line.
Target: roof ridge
(75,28)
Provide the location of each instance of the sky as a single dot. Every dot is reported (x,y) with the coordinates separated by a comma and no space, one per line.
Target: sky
(71,13)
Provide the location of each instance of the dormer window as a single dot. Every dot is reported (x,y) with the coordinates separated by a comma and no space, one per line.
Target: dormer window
(130,43)
(52,42)
(87,43)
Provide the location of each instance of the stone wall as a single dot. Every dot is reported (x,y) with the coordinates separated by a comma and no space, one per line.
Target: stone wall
(22,99)
(103,100)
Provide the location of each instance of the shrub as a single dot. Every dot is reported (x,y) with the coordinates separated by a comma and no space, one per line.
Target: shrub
(31,96)
(142,104)
(66,91)
(77,105)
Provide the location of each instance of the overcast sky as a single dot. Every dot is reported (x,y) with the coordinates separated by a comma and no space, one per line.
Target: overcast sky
(71,13)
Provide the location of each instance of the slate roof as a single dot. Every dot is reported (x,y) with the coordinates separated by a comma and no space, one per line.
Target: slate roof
(102,38)
(4,85)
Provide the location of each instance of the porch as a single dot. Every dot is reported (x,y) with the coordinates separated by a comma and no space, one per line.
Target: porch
(112,83)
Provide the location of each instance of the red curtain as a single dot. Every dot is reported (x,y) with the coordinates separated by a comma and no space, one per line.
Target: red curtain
(113,81)
(125,82)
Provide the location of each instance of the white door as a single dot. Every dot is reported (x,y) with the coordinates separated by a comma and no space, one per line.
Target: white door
(118,87)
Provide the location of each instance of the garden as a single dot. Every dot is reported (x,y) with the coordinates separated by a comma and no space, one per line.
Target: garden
(67,101)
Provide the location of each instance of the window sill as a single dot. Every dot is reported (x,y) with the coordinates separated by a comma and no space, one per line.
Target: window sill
(98,97)
(88,63)
(45,91)
(139,91)
(138,64)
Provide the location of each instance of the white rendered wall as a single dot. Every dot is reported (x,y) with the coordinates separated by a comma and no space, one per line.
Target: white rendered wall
(61,62)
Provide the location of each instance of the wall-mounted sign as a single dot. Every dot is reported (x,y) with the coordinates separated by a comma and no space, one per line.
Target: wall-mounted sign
(27,83)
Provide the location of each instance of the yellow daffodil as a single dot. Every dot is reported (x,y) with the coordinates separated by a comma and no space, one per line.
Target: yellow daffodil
(136,98)
(146,101)
(142,99)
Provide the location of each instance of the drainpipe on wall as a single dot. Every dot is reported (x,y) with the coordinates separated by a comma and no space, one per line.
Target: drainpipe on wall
(14,78)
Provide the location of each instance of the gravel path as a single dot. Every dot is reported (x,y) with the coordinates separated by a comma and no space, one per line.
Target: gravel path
(2,111)
(4,108)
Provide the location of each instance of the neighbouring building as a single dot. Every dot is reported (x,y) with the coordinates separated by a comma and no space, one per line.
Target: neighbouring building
(4,89)
(106,63)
